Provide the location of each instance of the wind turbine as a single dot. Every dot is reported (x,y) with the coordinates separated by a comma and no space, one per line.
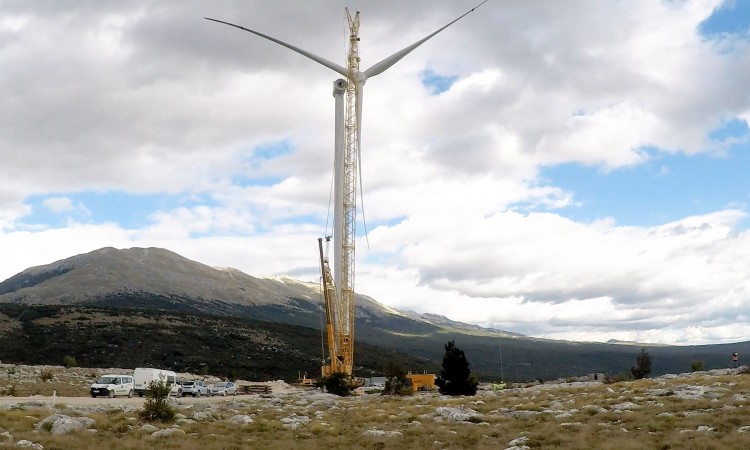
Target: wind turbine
(348,126)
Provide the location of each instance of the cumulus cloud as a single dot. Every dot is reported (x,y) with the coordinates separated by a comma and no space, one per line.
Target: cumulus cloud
(150,98)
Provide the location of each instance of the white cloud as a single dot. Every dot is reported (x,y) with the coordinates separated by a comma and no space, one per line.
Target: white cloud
(150,98)
(58,204)
(579,280)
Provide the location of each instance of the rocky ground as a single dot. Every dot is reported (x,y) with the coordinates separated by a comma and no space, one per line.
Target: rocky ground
(696,410)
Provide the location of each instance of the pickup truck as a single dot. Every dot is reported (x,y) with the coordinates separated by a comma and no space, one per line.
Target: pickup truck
(196,388)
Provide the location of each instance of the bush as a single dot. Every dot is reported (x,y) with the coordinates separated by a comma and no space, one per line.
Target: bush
(396,382)
(338,383)
(617,378)
(456,378)
(643,365)
(70,361)
(696,366)
(156,408)
(46,375)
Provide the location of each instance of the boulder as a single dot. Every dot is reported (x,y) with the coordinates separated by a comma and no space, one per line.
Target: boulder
(460,414)
(23,443)
(62,424)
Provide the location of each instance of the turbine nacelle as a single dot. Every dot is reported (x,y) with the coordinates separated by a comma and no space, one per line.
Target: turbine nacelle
(362,77)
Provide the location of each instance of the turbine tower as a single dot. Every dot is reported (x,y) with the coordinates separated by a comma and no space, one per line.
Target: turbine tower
(338,288)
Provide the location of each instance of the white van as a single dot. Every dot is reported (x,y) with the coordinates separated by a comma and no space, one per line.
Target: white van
(112,385)
(143,376)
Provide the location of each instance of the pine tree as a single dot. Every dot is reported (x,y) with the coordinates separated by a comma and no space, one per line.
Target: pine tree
(456,378)
(643,365)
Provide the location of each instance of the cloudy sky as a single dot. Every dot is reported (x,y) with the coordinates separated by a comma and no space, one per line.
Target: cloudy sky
(570,170)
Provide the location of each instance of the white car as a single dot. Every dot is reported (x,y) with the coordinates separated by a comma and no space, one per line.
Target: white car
(112,385)
(223,388)
(196,388)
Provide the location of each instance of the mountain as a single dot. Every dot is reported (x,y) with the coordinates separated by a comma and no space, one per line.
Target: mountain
(161,279)
(155,271)
(194,297)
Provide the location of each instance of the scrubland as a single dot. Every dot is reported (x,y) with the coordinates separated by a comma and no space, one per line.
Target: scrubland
(702,410)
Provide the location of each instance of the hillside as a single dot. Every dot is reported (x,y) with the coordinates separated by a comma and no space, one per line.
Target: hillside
(224,347)
(133,284)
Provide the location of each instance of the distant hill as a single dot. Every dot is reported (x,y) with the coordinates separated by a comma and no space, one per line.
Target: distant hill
(184,342)
(147,282)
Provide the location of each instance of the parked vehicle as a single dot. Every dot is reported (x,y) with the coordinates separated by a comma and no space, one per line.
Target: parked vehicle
(112,385)
(144,376)
(196,388)
(223,388)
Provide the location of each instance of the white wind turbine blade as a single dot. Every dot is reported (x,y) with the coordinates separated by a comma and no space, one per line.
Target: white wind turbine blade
(396,57)
(331,65)
(358,112)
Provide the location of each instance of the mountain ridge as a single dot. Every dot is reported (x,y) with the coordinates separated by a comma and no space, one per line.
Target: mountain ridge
(109,272)
(141,280)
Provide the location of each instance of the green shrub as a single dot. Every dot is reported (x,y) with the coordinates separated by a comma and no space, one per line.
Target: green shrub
(622,376)
(156,408)
(70,361)
(696,366)
(338,383)
(396,382)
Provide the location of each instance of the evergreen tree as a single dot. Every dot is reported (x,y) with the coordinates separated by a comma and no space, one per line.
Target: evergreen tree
(157,408)
(643,365)
(456,378)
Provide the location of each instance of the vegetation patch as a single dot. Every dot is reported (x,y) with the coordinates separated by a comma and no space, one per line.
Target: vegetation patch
(157,407)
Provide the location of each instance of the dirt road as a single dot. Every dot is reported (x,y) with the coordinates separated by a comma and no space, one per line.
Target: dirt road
(135,402)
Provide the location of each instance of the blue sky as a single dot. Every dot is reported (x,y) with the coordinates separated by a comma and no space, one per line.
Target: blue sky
(665,188)
(733,17)
(572,173)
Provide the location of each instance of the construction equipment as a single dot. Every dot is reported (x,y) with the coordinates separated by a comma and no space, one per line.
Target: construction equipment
(340,349)
(304,381)
(338,286)
(421,381)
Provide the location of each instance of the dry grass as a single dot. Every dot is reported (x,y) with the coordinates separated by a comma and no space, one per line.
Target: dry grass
(645,414)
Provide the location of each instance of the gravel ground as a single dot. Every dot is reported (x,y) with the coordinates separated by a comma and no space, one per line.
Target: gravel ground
(134,402)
